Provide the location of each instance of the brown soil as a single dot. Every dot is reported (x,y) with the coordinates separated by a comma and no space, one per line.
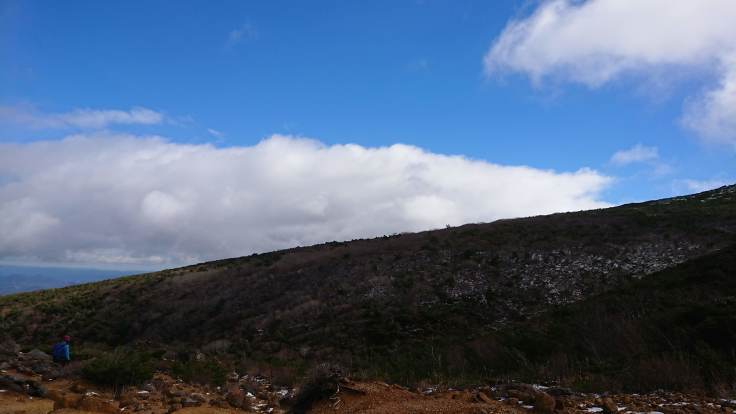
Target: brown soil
(11,403)
(380,398)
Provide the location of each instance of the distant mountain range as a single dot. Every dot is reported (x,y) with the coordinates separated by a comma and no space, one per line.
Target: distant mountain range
(16,279)
(640,296)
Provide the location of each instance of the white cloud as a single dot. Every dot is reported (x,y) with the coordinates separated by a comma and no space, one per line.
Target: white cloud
(696,186)
(637,153)
(597,41)
(121,199)
(215,133)
(714,113)
(81,118)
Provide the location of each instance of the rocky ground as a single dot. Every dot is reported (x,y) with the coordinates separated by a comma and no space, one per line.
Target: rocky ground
(31,384)
(563,401)
(163,394)
(381,398)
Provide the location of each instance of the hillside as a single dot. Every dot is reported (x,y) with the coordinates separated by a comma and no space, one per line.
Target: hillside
(17,279)
(579,297)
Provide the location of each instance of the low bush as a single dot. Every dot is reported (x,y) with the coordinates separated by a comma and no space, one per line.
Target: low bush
(119,369)
(321,383)
(200,372)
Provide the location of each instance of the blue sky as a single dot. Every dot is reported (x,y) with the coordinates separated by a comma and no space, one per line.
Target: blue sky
(369,73)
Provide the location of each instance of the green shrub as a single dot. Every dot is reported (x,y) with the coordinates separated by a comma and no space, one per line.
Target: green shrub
(200,372)
(119,369)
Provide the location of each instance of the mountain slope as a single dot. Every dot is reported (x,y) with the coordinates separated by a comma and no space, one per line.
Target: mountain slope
(17,279)
(675,329)
(410,305)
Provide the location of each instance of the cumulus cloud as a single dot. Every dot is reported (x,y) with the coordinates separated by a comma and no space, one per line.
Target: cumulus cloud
(81,118)
(594,42)
(122,199)
(714,113)
(637,153)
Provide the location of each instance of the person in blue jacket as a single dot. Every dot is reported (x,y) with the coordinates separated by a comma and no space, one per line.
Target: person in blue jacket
(61,353)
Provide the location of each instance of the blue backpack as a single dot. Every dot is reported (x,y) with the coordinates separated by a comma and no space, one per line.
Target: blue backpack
(59,352)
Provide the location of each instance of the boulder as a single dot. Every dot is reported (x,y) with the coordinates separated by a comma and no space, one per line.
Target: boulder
(236,397)
(544,403)
(521,395)
(559,391)
(20,385)
(609,407)
(35,389)
(175,392)
(22,369)
(143,394)
(36,355)
(11,383)
(52,374)
(42,367)
(485,398)
(127,401)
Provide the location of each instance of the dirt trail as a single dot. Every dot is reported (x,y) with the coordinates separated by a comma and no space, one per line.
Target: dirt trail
(380,398)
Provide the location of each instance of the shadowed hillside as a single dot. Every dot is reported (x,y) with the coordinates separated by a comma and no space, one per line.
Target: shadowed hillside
(593,297)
